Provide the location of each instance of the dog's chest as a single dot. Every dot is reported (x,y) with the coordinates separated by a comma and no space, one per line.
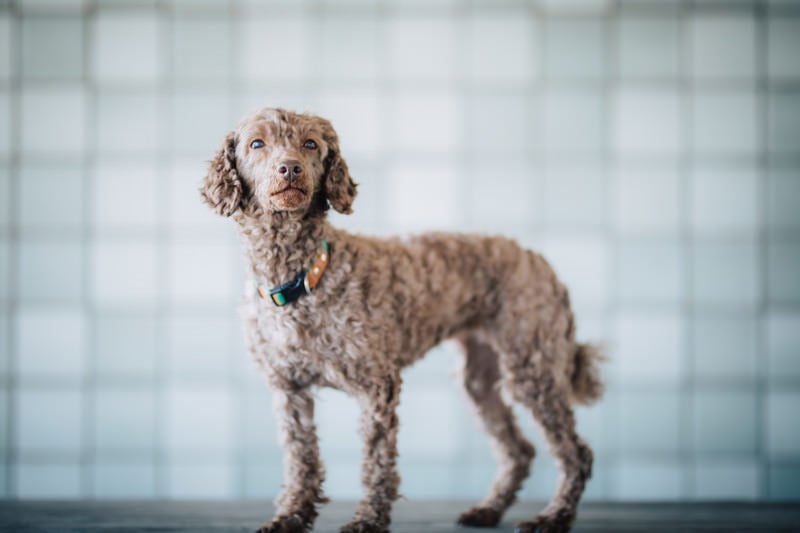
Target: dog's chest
(287,328)
(295,342)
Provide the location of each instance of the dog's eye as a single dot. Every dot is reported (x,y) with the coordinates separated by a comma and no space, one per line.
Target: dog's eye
(258,143)
(311,145)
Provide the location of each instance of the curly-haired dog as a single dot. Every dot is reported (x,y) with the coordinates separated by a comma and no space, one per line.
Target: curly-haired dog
(377,306)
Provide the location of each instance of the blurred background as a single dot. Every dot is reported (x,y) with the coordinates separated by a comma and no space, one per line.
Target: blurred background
(650,149)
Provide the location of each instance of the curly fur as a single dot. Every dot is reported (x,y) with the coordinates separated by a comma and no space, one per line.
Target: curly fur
(381,305)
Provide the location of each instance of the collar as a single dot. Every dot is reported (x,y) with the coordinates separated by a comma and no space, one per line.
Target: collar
(303,283)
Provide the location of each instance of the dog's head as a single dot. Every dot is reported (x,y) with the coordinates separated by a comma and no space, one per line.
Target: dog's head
(278,161)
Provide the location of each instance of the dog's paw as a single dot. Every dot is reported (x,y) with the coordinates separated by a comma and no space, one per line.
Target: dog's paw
(284,524)
(363,526)
(480,517)
(559,522)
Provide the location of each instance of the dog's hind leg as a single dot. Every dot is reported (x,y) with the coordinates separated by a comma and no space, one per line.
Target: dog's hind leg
(514,453)
(550,406)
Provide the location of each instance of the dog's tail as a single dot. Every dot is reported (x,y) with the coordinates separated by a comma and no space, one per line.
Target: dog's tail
(587,387)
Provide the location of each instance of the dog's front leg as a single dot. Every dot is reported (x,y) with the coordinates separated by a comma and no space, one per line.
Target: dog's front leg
(379,470)
(303,472)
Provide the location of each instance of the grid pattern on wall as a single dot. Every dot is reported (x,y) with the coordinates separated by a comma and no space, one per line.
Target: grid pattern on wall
(650,149)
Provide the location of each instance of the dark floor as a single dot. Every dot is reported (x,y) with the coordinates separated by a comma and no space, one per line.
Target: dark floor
(427,517)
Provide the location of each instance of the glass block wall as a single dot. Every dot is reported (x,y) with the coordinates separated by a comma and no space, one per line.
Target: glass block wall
(651,149)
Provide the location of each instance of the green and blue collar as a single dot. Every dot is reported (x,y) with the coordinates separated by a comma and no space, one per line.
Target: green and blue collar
(303,283)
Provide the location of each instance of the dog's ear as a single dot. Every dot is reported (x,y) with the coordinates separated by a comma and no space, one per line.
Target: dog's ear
(222,189)
(340,189)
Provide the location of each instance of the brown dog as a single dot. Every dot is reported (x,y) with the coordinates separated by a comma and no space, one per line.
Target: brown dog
(324,308)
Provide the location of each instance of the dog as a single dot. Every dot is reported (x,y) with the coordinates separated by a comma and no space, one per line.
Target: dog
(326,308)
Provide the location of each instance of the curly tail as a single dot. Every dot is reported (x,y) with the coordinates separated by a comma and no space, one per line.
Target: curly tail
(586,384)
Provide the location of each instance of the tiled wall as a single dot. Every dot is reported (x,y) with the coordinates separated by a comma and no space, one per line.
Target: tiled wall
(651,149)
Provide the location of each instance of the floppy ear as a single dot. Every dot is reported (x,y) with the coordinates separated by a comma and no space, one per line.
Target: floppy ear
(340,189)
(222,189)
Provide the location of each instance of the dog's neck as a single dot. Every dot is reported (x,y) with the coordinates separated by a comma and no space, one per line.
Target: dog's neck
(279,245)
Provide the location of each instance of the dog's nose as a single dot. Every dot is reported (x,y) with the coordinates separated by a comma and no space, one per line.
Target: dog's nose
(290,170)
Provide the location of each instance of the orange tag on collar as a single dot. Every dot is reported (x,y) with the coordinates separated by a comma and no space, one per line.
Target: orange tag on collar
(318,267)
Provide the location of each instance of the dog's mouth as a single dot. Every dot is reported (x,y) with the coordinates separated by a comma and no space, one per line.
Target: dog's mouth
(290,189)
